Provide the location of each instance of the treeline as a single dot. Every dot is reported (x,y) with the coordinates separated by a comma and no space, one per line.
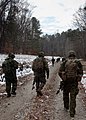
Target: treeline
(21,33)
(60,44)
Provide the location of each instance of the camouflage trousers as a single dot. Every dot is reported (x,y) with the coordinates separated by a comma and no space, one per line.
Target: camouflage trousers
(69,97)
(9,84)
(40,82)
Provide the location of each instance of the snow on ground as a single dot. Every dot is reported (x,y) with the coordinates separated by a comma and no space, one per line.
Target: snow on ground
(84,80)
(26,60)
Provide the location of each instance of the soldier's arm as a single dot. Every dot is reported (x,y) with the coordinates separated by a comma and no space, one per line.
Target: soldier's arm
(16,64)
(46,68)
(33,66)
(80,68)
(62,68)
(79,71)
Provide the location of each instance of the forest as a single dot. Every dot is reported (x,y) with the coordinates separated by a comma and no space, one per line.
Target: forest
(21,33)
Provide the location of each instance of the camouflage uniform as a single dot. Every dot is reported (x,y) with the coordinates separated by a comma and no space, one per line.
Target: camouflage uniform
(40,76)
(53,60)
(70,85)
(10,74)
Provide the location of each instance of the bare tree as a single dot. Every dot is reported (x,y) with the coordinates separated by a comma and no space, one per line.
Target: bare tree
(80,18)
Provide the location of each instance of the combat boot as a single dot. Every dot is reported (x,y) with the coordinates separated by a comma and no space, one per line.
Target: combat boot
(13,93)
(39,93)
(8,95)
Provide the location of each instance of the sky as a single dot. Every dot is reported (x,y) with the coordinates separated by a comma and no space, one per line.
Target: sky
(27,59)
(55,15)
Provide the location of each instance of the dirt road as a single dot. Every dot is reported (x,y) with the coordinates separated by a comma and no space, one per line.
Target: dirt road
(26,106)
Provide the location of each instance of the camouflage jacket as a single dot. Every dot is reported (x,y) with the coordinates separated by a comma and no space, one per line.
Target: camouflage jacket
(9,67)
(45,68)
(62,68)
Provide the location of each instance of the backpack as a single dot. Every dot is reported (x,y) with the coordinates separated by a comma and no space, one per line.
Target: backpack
(38,65)
(7,66)
(71,68)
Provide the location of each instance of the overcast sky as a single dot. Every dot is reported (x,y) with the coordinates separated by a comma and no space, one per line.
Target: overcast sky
(55,15)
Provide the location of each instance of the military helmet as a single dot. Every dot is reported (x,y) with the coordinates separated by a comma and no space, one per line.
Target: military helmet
(11,55)
(71,53)
(41,54)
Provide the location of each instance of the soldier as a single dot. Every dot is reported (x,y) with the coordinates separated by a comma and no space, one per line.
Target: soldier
(53,61)
(40,68)
(71,72)
(57,60)
(9,67)
(63,59)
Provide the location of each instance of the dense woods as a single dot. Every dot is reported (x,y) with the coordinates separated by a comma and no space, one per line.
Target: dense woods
(21,33)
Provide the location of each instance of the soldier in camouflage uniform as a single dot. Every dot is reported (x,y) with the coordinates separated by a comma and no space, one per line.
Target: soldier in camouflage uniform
(70,84)
(53,61)
(9,67)
(40,74)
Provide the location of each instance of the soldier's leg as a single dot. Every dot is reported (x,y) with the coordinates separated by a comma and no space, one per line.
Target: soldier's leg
(14,87)
(72,102)
(36,79)
(66,99)
(41,85)
(8,88)
(37,85)
(37,88)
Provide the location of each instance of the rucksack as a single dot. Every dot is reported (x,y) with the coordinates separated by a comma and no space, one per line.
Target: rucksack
(71,68)
(7,66)
(38,64)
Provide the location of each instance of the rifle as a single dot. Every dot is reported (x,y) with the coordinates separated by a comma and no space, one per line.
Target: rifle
(61,87)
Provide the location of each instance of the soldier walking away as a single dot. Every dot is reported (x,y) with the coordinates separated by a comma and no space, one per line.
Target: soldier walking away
(57,60)
(41,70)
(63,59)
(9,67)
(71,72)
(53,61)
